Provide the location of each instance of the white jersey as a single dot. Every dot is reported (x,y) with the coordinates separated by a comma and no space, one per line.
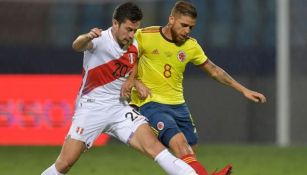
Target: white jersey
(99,108)
(106,67)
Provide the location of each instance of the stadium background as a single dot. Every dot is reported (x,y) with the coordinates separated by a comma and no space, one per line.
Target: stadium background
(40,76)
(238,35)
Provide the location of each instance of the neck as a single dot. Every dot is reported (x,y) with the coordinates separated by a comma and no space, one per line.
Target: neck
(166,30)
(116,39)
(113,34)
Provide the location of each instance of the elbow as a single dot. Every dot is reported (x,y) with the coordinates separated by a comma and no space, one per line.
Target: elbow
(214,75)
(76,47)
(73,46)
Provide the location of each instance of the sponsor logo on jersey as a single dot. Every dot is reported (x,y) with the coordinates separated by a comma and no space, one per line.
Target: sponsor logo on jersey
(155,52)
(160,126)
(90,100)
(181,56)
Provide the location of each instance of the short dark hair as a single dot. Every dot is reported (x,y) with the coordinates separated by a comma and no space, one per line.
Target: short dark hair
(184,8)
(128,11)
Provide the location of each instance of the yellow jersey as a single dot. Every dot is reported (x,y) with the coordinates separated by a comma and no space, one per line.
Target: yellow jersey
(162,64)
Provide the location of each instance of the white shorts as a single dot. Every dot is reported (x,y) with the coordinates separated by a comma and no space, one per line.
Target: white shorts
(116,119)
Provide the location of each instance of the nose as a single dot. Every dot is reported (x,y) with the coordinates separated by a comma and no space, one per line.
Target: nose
(187,30)
(131,35)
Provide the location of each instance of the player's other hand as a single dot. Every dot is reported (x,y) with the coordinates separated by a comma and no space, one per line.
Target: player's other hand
(142,90)
(94,33)
(125,91)
(254,96)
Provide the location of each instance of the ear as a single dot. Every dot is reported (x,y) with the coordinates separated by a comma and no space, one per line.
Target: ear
(171,20)
(115,23)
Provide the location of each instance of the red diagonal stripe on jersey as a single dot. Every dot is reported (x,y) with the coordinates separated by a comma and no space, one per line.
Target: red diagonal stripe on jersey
(110,71)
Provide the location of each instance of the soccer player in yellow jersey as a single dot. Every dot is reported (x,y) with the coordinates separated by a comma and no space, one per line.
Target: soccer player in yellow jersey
(164,54)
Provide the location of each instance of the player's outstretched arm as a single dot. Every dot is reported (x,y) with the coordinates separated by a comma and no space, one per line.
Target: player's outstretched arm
(223,77)
(83,42)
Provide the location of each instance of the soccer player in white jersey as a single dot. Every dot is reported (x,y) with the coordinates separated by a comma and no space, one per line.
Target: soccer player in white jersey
(109,57)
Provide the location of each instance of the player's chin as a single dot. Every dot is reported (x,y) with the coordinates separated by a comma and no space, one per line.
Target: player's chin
(127,41)
(123,42)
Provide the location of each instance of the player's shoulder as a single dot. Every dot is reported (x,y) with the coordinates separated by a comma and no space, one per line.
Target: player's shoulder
(192,40)
(105,40)
(150,29)
(106,36)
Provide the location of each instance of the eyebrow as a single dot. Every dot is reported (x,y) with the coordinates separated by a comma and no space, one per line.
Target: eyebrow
(131,29)
(187,25)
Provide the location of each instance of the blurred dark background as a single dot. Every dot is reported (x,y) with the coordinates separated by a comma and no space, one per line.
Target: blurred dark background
(238,35)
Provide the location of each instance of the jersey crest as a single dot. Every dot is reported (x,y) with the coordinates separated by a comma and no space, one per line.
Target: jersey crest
(181,56)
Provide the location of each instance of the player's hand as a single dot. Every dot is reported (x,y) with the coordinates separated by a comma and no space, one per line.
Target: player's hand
(254,96)
(125,91)
(94,33)
(142,90)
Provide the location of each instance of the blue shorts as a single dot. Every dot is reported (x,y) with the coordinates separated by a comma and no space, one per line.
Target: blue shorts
(168,120)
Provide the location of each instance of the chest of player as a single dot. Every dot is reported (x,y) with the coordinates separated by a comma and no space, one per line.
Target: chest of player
(113,61)
(168,56)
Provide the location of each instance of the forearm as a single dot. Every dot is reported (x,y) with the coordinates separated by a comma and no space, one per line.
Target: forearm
(81,43)
(226,79)
(223,77)
(133,73)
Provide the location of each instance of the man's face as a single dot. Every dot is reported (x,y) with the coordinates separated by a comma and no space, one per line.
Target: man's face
(181,26)
(125,31)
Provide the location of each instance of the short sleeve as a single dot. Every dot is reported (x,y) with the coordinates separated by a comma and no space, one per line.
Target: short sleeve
(199,55)
(94,41)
